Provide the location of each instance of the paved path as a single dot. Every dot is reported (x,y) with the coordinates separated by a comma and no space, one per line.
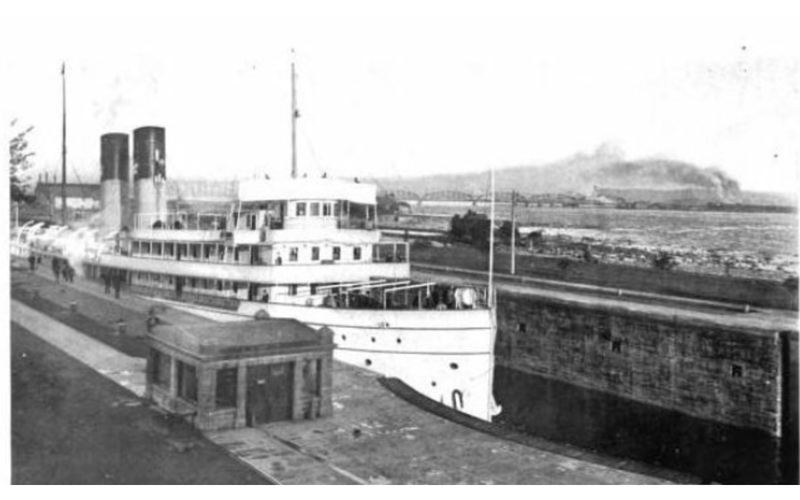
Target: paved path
(127,371)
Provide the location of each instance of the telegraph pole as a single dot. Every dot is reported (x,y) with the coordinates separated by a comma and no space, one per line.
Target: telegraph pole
(513,234)
(63,144)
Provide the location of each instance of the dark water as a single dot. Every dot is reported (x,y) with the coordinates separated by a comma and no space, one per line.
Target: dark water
(619,427)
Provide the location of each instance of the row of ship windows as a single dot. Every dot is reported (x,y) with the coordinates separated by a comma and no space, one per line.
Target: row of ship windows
(315,209)
(218,252)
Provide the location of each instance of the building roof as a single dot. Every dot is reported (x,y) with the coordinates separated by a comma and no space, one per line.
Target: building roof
(242,339)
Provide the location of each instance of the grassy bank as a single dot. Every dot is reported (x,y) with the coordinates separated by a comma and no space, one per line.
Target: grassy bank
(755,292)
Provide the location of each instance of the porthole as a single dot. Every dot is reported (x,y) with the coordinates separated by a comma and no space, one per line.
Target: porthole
(344,337)
(373,340)
(454,366)
(433,384)
(368,362)
(399,341)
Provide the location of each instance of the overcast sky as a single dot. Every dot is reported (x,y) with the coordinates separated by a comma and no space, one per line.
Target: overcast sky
(412,96)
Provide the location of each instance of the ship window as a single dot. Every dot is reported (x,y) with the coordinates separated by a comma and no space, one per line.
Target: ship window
(314,253)
(616,345)
(356,253)
(193,282)
(337,253)
(368,362)
(313,287)
(146,248)
(195,251)
(326,209)
(226,387)
(293,254)
(156,248)
(207,251)
(301,209)
(336,209)
(169,249)
(454,366)
(523,328)
(314,209)
(292,290)
(736,371)
(135,249)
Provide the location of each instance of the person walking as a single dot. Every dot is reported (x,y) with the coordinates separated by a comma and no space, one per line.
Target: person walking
(32,261)
(57,269)
(106,280)
(116,279)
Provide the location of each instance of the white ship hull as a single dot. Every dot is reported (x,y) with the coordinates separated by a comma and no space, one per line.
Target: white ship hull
(445,355)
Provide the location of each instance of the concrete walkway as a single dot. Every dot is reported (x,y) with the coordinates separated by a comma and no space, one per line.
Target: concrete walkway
(125,370)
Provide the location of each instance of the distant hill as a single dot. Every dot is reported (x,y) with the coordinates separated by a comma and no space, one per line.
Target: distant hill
(605,169)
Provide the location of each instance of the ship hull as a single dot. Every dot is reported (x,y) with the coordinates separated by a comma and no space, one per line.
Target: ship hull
(445,355)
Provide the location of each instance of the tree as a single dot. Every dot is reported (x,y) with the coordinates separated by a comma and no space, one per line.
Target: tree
(20,162)
(664,261)
(505,233)
(472,228)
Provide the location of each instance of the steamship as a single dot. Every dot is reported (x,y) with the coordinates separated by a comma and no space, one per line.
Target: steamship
(300,248)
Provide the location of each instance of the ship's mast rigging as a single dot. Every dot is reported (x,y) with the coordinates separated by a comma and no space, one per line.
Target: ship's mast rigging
(295,116)
(63,144)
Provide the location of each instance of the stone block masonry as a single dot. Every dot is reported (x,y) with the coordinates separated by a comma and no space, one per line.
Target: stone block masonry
(706,370)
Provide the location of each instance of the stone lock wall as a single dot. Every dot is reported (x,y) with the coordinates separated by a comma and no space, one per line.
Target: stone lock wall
(725,375)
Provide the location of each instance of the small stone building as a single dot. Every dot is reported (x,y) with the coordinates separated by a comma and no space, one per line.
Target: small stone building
(221,376)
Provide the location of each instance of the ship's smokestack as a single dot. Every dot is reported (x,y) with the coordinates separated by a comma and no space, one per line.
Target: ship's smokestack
(149,160)
(114,178)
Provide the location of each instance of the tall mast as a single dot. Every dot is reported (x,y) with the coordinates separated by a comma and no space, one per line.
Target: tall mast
(491,245)
(63,144)
(295,115)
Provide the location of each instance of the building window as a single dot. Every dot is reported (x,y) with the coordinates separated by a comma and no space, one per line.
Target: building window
(160,369)
(356,253)
(226,387)
(187,382)
(314,253)
(315,209)
(301,209)
(293,254)
(337,253)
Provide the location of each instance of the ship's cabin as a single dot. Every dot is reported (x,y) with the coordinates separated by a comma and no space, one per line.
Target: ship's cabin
(281,222)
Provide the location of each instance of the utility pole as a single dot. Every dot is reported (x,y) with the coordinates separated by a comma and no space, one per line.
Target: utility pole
(513,234)
(63,144)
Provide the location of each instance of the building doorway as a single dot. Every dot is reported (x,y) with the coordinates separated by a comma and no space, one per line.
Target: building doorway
(269,393)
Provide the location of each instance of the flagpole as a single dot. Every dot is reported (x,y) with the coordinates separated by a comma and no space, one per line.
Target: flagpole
(491,244)
(63,144)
